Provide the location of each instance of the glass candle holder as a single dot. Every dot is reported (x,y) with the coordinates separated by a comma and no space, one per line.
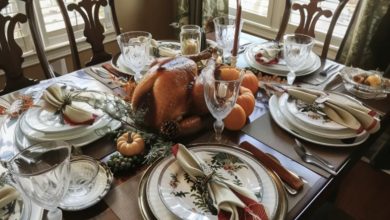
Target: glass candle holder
(190,39)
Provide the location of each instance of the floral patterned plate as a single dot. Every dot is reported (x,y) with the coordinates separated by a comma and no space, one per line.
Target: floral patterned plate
(320,132)
(282,121)
(311,115)
(171,194)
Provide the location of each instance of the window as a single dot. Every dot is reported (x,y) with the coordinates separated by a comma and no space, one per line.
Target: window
(263,17)
(51,24)
(21,32)
(53,27)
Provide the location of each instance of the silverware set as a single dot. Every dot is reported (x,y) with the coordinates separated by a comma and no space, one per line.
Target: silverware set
(313,159)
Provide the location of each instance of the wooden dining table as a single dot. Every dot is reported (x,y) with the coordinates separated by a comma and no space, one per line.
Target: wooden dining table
(121,202)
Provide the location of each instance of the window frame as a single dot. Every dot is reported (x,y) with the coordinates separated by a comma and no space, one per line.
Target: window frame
(270,28)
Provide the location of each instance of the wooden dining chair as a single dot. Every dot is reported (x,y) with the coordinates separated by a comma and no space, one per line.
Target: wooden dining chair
(93,28)
(309,15)
(11,54)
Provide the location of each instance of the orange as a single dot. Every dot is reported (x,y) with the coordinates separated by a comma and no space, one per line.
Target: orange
(229,73)
(250,81)
(246,100)
(236,118)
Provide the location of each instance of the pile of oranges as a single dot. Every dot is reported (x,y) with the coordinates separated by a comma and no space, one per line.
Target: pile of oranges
(246,100)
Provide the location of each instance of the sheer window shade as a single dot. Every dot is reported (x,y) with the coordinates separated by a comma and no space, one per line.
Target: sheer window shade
(51,24)
(268,13)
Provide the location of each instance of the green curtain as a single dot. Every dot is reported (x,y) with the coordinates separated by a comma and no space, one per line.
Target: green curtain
(211,9)
(357,51)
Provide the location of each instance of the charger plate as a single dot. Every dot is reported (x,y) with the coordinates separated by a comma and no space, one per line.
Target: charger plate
(152,206)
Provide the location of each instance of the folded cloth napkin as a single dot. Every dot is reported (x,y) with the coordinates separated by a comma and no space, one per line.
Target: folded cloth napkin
(7,194)
(340,109)
(58,99)
(268,55)
(233,202)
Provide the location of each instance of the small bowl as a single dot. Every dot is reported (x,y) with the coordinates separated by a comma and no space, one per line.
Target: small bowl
(83,172)
(365,84)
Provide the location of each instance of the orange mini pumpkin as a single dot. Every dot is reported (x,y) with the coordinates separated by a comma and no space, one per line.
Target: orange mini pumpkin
(236,118)
(250,81)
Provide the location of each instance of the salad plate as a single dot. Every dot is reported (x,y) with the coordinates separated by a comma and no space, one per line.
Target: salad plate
(284,123)
(176,200)
(100,188)
(311,116)
(302,125)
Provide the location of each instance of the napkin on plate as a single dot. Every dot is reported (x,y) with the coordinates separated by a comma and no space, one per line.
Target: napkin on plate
(7,195)
(56,97)
(268,55)
(233,202)
(340,109)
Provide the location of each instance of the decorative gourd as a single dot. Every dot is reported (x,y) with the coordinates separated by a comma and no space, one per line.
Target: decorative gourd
(246,100)
(250,81)
(130,144)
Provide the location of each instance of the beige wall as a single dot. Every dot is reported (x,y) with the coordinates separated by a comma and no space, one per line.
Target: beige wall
(153,16)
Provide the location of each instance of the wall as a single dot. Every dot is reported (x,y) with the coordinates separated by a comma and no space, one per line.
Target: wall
(153,16)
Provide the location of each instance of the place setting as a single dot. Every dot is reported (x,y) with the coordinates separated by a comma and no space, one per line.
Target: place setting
(291,58)
(59,116)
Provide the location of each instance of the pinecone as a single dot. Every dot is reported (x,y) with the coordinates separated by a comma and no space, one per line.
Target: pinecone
(169,129)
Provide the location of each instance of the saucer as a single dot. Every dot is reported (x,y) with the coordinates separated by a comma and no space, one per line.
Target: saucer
(99,190)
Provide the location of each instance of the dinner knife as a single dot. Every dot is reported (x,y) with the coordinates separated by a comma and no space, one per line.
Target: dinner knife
(291,179)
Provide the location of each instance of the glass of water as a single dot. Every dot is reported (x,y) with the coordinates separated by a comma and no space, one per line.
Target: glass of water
(296,50)
(42,172)
(225,27)
(134,47)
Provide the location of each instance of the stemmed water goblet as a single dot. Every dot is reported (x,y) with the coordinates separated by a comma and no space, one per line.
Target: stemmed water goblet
(135,49)
(220,96)
(296,50)
(42,173)
(225,27)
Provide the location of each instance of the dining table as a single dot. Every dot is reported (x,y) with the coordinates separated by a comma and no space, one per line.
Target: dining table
(260,131)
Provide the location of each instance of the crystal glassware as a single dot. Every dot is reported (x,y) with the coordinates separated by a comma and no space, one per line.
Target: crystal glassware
(83,172)
(296,50)
(190,39)
(135,49)
(225,27)
(220,96)
(42,172)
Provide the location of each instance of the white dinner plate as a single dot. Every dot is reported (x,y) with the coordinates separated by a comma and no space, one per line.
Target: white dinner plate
(338,134)
(100,188)
(312,64)
(68,135)
(281,120)
(49,122)
(160,177)
(22,141)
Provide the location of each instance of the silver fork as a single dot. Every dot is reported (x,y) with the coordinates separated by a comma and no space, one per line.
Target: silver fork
(308,157)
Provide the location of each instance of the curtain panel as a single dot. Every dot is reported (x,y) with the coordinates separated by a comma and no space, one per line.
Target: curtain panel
(211,9)
(358,49)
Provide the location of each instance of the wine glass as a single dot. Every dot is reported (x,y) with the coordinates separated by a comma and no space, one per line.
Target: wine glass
(135,50)
(42,172)
(225,27)
(297,48)
(220,96)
